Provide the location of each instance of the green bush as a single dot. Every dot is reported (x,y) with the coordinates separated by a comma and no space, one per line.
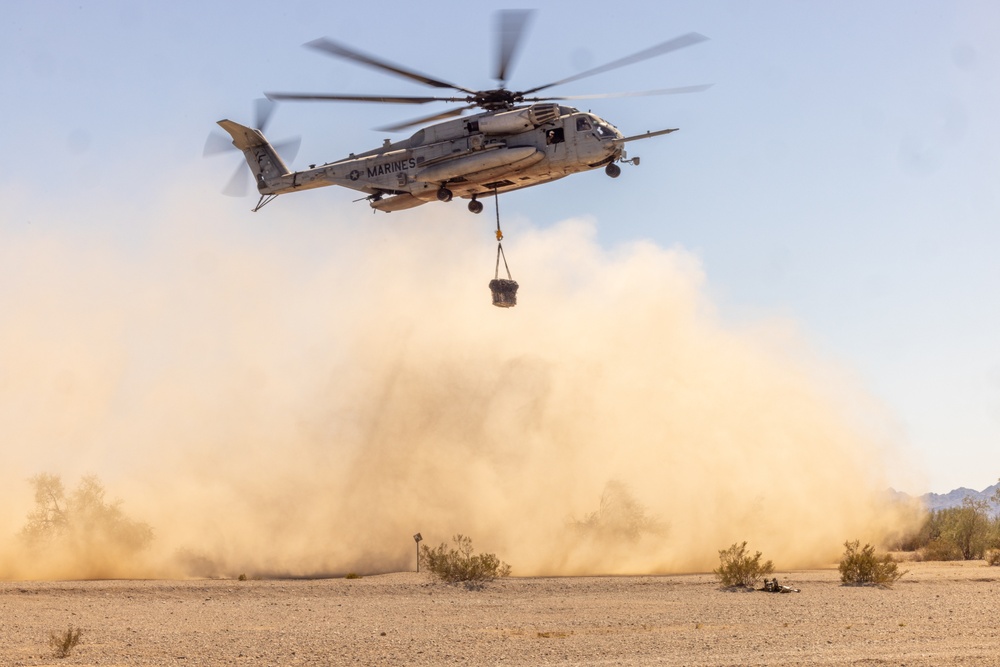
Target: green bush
(970,528)
(461,565)
(940,549)
(860,567)
(956,533)
(738,569)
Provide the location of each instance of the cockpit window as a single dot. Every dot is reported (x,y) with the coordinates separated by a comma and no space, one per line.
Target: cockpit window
(582,124)
(605,132)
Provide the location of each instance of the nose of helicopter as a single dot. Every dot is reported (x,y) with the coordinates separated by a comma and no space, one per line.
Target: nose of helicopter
(610,142)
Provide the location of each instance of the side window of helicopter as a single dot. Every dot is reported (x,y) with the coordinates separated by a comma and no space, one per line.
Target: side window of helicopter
(582,124)
(554,136)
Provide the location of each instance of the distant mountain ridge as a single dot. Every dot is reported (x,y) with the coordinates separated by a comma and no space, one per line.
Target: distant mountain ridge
(954,498)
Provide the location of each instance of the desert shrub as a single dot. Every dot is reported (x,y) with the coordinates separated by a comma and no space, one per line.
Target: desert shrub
(63,642)
(956,533)
(992,556)
(969,527)
(940,549)
(919,537)
(460,565)
(860,567)
(352,575)
(737,568)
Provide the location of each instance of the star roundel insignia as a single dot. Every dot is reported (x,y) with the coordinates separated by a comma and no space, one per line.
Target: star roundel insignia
(354,175)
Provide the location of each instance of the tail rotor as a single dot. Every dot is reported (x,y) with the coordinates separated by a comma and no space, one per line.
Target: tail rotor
(219,142)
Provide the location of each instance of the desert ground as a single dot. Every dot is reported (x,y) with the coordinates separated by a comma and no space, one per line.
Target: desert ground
(937,614)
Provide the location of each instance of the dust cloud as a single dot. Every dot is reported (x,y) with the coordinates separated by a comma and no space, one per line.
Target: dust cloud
(295,393)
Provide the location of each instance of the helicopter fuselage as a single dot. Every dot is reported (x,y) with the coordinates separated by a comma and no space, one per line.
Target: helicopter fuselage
(475,156)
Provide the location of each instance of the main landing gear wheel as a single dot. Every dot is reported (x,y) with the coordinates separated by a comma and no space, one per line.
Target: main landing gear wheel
(613,170)
(476,206)
(444,194)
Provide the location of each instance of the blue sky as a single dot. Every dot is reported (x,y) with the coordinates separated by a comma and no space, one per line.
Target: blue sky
(841,173)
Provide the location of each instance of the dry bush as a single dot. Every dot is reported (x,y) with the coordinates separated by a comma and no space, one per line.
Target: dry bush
(992,556)
(861,567)
(738,569)
(461,565)
(63,642)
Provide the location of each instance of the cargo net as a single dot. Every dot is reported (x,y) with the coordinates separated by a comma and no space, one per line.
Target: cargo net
(504,289)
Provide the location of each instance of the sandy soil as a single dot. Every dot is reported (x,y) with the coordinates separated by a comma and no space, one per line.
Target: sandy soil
(938,614)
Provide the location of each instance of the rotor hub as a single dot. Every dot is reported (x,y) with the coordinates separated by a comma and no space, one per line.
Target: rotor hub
(499,99)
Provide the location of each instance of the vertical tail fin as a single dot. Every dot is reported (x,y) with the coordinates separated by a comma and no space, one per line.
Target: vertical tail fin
(264,162)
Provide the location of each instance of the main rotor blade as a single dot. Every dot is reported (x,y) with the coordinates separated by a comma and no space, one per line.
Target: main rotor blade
(388,99)
(450,113)
(341,51)
(640,93)
(690,39)
(510,29)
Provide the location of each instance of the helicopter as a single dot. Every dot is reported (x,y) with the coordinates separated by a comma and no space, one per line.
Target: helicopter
(515,139)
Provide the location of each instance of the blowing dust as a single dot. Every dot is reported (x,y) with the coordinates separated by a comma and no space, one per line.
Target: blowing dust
(282,396)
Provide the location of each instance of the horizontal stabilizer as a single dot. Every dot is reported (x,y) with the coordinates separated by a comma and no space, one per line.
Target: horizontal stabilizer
(264,163)
(243,136)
